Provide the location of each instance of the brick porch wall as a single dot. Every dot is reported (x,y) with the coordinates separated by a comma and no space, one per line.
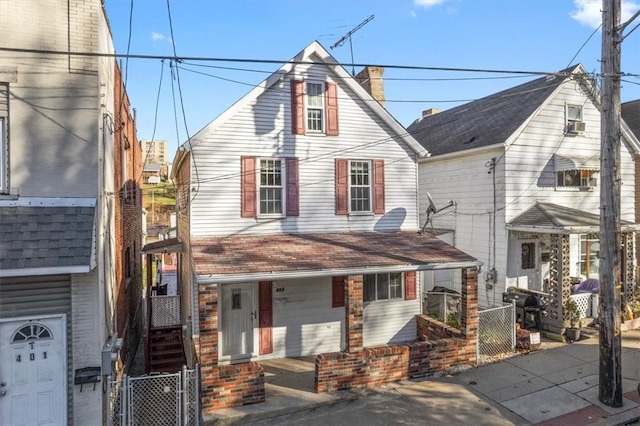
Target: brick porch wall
(443,347)
(228,385)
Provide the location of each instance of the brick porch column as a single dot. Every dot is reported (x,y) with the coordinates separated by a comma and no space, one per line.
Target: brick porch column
(469,317)
(208,348)
(353,310)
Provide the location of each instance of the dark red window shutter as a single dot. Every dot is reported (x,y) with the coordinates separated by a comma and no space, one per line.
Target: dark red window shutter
(248,187)
(337,292)
(378,187)
(265,317)
(342,186)
(293,187)
(297,107)
(331,102)
(410,285)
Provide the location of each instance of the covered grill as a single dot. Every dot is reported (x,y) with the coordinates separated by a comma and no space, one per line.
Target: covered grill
(527,308)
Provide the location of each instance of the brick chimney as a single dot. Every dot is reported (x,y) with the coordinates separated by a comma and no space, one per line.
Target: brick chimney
(370,78)
(430,111)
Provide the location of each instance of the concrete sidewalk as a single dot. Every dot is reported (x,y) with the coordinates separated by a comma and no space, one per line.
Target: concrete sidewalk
(557,385)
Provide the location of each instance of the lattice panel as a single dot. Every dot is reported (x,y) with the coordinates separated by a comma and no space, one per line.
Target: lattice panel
(628,272)
(566,268)
(165,311)
(584,303)
(554,276)
(496,332)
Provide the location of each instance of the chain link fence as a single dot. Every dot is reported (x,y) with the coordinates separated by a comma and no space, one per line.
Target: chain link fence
(496,331)
(163,399)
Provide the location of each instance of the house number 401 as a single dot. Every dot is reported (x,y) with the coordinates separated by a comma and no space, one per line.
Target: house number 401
(32,357)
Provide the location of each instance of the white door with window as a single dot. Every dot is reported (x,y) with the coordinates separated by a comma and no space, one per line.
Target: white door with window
(529,271)
(239,317)
(33,384)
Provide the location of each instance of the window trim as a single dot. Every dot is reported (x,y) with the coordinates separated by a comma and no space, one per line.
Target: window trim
(282,186)
(401,297)
(568,106)
(321,108)
(350,186)
(588,179)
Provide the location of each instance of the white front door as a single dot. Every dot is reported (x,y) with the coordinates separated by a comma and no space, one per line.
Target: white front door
(238,319)
(33,383)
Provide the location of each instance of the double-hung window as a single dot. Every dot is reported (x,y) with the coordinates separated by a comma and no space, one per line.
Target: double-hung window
(360,186)
(386,286)
(315,106)
(270,187)
(574,112)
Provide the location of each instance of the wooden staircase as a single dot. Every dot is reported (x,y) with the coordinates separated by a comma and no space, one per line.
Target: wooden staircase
(165,353)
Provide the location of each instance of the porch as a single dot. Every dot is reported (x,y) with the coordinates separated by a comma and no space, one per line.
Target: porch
(565,241)
(163,339)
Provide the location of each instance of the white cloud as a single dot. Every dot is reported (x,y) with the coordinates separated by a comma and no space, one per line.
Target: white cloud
(158,37)
(428,3)
(414,14)
(589,12)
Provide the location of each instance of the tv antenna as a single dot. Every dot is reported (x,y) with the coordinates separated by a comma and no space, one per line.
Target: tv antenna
(431,210)
(348,36)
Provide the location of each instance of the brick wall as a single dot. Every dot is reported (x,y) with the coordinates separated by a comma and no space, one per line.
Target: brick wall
(438,348)
(127,222)
(229,385)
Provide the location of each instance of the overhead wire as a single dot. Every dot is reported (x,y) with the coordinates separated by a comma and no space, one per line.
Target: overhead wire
(184,115)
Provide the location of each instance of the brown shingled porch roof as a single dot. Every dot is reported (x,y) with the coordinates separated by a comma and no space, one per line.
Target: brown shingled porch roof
(315,254)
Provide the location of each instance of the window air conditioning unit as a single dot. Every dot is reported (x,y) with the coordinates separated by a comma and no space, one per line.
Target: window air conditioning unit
(576,127)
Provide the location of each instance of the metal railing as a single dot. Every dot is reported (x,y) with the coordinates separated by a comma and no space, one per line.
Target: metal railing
(496,331)
(164,399)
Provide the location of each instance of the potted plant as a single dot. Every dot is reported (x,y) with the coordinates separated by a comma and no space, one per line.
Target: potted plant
(572,314)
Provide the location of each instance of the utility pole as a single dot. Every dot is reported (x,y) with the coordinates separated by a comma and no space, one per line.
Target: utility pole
(610,366)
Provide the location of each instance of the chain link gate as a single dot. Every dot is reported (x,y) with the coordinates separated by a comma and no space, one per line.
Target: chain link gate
(496,331)
(163,399)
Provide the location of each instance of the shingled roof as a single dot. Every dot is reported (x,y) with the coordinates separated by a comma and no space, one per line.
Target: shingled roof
(487,121)
(631,116)
(553,218)
(220,259)
(58,239)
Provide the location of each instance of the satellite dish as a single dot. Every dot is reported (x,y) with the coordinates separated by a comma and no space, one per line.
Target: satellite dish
(432,206)
(431,210)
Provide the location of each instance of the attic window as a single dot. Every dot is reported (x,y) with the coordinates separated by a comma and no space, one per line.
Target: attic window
(574,112)
(577,178)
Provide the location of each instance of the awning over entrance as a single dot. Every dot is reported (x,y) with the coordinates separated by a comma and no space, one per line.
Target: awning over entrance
(555,219)
(573,162)
(268,257)
(47,236)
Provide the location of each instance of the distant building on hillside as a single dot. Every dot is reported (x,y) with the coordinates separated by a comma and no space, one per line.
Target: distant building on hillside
(155,152)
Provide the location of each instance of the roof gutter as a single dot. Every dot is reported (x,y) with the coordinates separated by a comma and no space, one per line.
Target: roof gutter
(54,270)
(283,275)
(466,152)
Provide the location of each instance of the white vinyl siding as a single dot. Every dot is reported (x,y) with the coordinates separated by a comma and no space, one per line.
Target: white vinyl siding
(304,323)
(263,128)
(391,321)
(466,181)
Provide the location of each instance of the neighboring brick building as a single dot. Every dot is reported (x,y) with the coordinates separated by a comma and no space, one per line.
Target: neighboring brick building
(70,224)
(128,224)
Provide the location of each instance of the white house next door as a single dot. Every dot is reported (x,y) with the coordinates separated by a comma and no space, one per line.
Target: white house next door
(33,371)
(239,317)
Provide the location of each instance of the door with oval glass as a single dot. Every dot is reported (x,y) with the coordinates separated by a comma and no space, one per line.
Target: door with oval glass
(33,371)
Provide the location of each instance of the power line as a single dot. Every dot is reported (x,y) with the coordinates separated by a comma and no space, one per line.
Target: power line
(270,61)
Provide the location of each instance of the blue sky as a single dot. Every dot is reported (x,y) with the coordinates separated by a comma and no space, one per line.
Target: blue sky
(512,35)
